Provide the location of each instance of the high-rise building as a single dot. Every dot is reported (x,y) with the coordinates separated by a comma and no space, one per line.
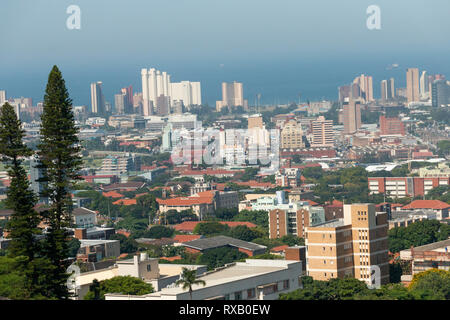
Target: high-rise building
(232,96)
(292,135)
(290,222)
(97,99)
(384,90)
(2,97)
(344,93)
(365,88)
(352,116)
(156,83)
(322,132)
(424,86)
(120,101)
(391,126)
(162,105)
(186,91)
(355,246)
(412,85)
(440,93)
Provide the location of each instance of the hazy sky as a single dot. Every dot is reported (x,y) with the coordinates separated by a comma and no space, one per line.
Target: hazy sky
(275,47)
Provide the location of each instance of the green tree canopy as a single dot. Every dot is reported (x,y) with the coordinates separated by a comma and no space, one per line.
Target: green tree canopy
(121,285)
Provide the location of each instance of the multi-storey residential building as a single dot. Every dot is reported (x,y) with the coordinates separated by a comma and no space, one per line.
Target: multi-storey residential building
(440,93)
(362,88)
(97,98)
(116,165)
(292,135)
(322,132)
(405,186)
(285,222)
(356,246)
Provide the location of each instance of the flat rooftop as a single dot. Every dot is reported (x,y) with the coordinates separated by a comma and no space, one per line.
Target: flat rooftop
(330,224)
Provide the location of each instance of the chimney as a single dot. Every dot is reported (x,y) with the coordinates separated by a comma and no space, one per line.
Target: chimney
(136,259)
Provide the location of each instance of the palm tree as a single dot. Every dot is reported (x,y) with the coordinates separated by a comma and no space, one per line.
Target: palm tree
(188,279)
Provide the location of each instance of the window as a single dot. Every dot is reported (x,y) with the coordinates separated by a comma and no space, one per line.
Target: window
(251,293)
(286,284)
(238,295)
(149,267)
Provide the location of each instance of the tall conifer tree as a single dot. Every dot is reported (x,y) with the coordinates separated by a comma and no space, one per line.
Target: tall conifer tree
(59,154)
(23,225)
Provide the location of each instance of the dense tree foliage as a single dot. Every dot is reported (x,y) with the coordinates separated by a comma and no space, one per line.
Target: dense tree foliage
(258,217)
(158,232)
(121,285)
(127,245)
(417,234)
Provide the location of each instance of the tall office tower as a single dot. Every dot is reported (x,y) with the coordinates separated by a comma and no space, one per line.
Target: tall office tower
(159,84)
(355,246)
(162,105)
(424,87)
(412,85)
(391,126)
(440,93)
(255,121)
(2,97)
(292,135)
(232,96)
(322,131)
(344,93)
(365,88)
(35,174)
(120,101)
(352,117)
(384,90)
(97,98)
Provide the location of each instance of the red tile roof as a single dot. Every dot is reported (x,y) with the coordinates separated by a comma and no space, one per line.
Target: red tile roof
(256,184)
(188,226)
(186,237)
(123,232)
(427,204)
(312,203)
(185,201)
(113,194)
(171,258)
(125,202)
(279,248)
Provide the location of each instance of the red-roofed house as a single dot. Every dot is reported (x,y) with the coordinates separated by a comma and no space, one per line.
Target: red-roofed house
(123,232)
(180,238)
(171,258)
(439,207)
(188,226)
(200,206)
(125,202)
(113,194)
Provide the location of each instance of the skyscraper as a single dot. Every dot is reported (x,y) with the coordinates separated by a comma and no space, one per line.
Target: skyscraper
(412,85)
(119,103)
(384,90)
(322,131)
(232,96)
(391,88)
(352,117)
(156,84)
(424,87)
(97,98)
(365,88)
(440,93)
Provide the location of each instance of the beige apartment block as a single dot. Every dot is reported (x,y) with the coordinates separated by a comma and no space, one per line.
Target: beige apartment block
(355,246)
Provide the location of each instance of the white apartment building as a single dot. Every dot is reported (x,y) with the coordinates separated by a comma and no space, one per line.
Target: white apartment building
(254,279)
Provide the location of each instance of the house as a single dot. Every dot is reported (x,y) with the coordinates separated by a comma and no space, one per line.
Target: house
(84,218)
(439,207)
(96,250)
(127,186)
(205,244)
